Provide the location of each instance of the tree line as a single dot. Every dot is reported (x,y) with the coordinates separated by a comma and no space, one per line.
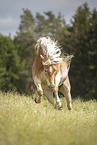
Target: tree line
(79,38)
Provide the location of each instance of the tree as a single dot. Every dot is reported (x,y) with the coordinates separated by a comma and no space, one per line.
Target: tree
(25,41)
(10,65)
(51,25)
(93,53)
(82,43)
(30,30)
(79,39)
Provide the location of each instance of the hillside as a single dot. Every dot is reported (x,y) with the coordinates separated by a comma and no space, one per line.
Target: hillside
(23,122)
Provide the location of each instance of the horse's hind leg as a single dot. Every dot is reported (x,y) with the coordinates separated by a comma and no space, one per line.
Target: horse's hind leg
(49,94)
(65,89)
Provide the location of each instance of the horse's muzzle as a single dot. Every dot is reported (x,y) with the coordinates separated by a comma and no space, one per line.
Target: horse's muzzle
(51,86)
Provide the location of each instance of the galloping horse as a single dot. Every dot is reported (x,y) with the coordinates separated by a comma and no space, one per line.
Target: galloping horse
(50,72)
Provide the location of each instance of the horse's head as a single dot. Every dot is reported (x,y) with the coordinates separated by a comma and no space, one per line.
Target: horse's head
(50,71)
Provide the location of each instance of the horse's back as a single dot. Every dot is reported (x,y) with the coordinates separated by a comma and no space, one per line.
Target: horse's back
(63,70)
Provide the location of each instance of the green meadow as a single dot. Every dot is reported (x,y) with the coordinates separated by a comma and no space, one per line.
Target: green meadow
(23,122)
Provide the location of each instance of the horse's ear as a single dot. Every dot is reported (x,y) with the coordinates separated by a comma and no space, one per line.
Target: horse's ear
(43,59)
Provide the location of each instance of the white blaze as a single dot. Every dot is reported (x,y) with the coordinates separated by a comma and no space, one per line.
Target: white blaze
(50,70)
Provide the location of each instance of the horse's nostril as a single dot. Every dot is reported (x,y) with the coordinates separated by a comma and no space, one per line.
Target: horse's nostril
(51,86)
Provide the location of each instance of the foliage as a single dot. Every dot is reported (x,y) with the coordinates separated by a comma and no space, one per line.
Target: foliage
(30,30)
(51,25)
(25,40)
(10,65)
(24,122)
(82,43)
(79,39)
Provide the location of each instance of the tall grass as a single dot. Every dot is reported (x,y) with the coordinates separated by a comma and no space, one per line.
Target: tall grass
(23,122)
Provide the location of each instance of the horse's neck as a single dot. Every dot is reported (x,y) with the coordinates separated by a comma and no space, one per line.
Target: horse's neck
(40,52)
(38,63)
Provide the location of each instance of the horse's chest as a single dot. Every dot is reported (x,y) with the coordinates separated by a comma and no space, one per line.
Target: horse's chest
(43,80)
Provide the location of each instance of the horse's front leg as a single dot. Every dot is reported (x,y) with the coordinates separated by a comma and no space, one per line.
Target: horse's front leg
(58,101)
(40,93)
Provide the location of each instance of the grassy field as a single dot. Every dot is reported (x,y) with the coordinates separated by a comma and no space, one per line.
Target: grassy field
(23,122)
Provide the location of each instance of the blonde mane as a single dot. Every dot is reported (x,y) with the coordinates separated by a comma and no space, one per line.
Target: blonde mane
(50,49)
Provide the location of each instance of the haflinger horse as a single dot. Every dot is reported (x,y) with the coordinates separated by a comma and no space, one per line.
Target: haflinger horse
(50,72)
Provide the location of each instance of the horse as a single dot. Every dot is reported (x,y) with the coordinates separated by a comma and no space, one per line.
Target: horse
(50,72)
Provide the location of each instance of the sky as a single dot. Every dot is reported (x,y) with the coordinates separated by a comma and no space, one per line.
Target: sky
(10,11)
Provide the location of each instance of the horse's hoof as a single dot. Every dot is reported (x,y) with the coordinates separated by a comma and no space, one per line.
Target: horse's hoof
(60,107)
(37,101)
(69,107)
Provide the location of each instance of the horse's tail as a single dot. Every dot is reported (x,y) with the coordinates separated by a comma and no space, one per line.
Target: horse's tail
(67,59)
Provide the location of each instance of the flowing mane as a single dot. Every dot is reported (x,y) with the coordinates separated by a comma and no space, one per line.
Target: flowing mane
(51,50)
